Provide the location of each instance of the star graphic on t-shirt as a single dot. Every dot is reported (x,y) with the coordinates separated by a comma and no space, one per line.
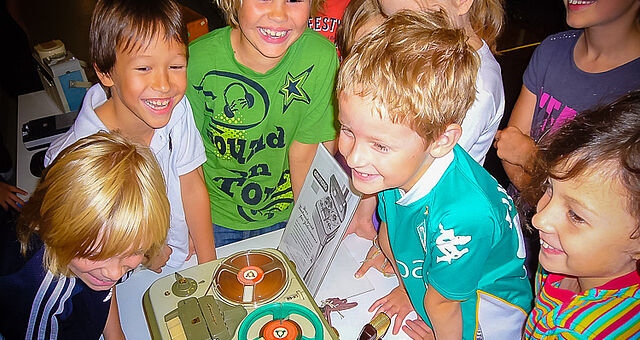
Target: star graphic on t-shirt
(292,89)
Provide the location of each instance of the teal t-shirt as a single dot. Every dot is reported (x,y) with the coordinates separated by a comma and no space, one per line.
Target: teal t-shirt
(463,238)
(248,121)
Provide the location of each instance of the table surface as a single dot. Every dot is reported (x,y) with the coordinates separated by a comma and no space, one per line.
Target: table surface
(130,292)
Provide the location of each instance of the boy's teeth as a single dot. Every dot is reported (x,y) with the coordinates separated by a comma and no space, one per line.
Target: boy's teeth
(362,174)
(273,34)
(545,245)
(158,103)
(580,2)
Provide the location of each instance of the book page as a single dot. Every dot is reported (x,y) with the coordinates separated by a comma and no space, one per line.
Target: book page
(319,219)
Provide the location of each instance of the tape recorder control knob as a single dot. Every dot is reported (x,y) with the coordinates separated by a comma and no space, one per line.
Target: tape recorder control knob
(184,286)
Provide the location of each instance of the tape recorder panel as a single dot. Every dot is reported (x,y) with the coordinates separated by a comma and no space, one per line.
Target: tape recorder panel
(254,294)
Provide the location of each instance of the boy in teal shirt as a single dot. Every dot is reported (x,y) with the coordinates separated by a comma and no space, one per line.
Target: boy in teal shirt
(450,231)
(261,91)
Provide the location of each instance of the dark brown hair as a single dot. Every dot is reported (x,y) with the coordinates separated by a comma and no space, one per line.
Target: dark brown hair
(605,139)
(129,24)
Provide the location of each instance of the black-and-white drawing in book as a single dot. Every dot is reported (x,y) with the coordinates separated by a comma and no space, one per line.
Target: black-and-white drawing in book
(319,219)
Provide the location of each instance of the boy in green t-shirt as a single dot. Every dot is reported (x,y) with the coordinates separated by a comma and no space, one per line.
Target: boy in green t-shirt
(450,231)
(261,91)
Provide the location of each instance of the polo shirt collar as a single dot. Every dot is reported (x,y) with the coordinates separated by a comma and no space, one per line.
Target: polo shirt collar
(427,181)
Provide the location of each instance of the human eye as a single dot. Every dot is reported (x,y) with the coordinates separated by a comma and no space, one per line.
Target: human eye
(345,131)
(380,147)
(177,67)
(143,68)
(575,218)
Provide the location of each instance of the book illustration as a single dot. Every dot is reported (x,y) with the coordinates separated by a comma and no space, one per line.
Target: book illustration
(319,219)
(330,211)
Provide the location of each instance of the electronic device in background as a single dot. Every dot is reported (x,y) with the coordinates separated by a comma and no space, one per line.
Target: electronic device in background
(253,294)
(39,133)
(61,74)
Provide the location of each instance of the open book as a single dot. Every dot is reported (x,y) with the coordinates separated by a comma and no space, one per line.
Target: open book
(319,219)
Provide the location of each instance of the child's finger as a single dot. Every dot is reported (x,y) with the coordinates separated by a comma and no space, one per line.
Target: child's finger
(410,332)
(15,205)
(420,326)
(400,316)
(397,324)
(378,303)
(17,200)
(18,190)
(364,268)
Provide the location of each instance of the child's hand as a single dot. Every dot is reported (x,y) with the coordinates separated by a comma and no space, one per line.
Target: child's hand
(376,259)
(159,260)
(514,146)
(418,330)
(395,303)
(9,197)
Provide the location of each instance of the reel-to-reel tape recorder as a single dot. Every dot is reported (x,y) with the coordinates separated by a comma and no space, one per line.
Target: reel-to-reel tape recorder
(254,294)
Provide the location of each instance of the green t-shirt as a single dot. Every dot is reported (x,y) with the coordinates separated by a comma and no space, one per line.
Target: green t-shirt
(461,236)
(248,121)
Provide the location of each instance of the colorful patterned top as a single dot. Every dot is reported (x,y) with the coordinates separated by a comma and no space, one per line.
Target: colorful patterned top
(611,311)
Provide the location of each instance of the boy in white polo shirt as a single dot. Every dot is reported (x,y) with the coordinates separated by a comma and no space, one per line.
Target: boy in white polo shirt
(138,49)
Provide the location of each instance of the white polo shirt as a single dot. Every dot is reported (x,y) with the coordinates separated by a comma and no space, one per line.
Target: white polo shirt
(483,118)
(178,149)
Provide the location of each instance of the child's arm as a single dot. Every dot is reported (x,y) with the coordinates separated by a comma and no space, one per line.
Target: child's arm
(362,221)
(445,315)
(197,210)
(513,144)
(300,158)
(113,330)
(397,301)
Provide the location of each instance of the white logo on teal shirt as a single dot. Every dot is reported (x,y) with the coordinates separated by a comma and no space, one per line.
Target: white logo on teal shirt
(422,234)
(448,244)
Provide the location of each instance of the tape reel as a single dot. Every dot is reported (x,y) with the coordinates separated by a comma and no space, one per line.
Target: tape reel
(279,324)
(251,278)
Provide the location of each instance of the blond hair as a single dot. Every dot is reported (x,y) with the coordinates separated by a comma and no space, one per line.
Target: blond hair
(230,9)
(101,197)
(418,69)
(356,15)
(487,19)
(485,16)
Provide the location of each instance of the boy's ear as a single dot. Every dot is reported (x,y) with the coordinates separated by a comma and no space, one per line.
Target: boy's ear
(105,78)
(446,141)
(464,6)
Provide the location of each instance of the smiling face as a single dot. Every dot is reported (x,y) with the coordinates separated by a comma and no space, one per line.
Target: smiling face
(585,229)
(381,154)
(266,30)
(103,274)
(147,83)
(589,13)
